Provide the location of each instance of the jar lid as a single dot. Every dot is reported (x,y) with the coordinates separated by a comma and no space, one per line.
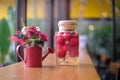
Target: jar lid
(67,25)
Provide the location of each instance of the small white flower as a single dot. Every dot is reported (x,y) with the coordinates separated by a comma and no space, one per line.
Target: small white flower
(37,28)
(24,30)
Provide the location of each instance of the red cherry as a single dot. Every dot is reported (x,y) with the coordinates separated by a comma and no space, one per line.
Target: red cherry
(66,35)
(65,47)
(73,41)
(59,33)
(58,47)
(73,53)
(75,35)
(60,40)
(61,54)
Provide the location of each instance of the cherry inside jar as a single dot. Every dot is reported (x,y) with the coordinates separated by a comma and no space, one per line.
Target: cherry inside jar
(67,43)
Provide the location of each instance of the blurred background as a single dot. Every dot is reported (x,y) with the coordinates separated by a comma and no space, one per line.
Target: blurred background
(97,21)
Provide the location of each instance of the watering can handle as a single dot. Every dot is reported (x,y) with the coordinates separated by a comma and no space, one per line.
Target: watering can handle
(17,52)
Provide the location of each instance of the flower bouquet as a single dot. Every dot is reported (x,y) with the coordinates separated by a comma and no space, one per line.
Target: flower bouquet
(30,36)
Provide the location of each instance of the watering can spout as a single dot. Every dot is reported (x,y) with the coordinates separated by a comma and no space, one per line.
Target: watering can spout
(49,50)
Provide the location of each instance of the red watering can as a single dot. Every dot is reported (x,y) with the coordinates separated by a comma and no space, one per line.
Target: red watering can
(33,56)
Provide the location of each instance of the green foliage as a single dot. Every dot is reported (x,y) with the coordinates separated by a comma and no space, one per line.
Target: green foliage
(4,42)
(100,40)
(118,37)
(117,7)
(117,4)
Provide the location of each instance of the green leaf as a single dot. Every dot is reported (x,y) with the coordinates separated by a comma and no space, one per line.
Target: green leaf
(4,41)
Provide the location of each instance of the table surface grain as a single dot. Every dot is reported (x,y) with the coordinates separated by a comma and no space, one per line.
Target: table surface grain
(50,71)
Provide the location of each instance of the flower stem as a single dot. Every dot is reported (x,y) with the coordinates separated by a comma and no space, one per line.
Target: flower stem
(22,22)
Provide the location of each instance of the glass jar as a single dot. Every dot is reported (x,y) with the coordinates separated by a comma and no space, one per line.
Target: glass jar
(66,43)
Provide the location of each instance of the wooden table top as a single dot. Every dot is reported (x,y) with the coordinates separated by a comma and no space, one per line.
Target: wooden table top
(50,71)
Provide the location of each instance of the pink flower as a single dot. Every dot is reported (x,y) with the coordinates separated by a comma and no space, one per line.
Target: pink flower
(32,33)
(16,40)
(18,32)
(42,36)
(31,29)
(29,34)
(21,41)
